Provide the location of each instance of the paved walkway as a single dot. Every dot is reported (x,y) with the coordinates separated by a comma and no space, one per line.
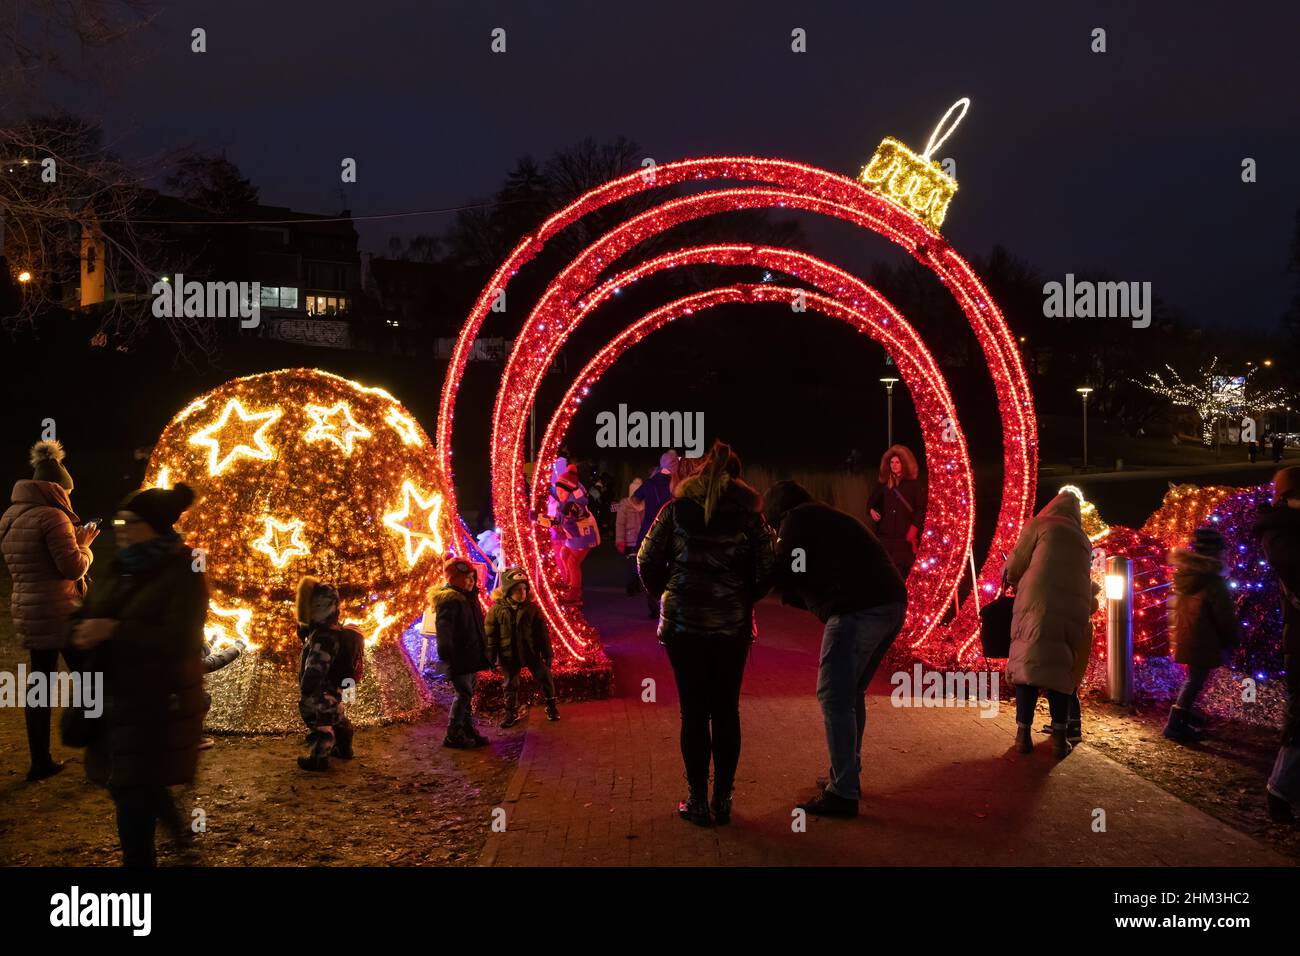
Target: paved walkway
(941,786)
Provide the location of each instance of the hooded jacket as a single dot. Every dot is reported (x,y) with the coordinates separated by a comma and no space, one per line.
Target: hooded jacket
(39,540)
(458,623)
(1050,568)
(1203,616)
(710,575)
(517,635)
(1278,528)
(153,672)
(655,492)
(901,507)
(630,517)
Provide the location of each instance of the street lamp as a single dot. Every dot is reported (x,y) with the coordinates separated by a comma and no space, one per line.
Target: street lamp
(24,276)
(1083,394)
(889,404)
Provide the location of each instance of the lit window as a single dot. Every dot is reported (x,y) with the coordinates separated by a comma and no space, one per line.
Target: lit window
(270,297)
(288,298)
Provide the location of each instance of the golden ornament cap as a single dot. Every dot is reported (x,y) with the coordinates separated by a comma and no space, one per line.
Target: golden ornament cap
(916,183)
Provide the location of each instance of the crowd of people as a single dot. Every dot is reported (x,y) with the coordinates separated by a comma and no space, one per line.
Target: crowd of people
(704,546)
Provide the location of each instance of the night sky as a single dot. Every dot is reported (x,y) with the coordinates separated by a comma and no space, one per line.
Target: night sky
(1127,161)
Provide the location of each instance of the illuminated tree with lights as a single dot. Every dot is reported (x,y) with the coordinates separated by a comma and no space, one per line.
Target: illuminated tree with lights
(1213,395)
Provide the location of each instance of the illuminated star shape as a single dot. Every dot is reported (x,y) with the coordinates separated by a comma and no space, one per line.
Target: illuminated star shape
(281,541)
(259,449)
(404,427)
(429,508)
(217,634)
(381,619)
(334,424)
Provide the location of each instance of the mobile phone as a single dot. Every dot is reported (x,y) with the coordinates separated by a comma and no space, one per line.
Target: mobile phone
(93,523)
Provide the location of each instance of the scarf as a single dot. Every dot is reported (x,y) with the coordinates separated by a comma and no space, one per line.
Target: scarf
(147,555)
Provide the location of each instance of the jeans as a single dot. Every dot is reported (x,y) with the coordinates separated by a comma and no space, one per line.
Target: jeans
(1284,781)
(709,671)
(1192,686)
(853,645)
(38,718)
(461,720)
(139,809)
(541,673)
(1062,707)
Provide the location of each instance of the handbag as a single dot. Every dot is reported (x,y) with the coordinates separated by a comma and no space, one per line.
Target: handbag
(995,625)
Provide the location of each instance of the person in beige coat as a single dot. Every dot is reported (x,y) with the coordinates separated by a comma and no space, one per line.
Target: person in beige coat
(1051,635)
(47,550)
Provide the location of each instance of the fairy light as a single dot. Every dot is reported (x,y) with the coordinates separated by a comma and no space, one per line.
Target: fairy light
(1089,516)
(214,436)
(288,504)
(228,626)
(404,426)
(916,183)
(798,186)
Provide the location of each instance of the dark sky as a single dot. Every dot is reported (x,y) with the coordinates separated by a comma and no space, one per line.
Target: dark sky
(1127,161)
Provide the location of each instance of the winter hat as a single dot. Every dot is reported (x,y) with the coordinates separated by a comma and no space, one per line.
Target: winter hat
(456,565)
(1286,482)
(782,498)
(1207,541)
(511,578)
(47,463)
(318,602)
(160,507)
(668,460)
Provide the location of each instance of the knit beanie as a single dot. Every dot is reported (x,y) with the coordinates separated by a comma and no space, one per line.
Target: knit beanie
(160,507)
(47,463)
(1207,541)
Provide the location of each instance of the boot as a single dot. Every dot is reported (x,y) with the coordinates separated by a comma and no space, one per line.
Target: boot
(455,739)
(1279,810)
(552,712)
(1179,728)
(1024,739)
(1061,746)
(1074,731)
(342,750)
(44,769)
(314,762)
(721,804)
(695,808)
(472,737)
(511,718)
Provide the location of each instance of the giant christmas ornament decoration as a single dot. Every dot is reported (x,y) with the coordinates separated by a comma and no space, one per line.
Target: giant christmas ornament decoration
(900,196)
(302,472)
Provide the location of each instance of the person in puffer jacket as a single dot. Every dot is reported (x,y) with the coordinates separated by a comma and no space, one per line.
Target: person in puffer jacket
(1204,625)
(517,637)
(331,662)
(709,553)
(47,550)
(1051,629)
(462,647)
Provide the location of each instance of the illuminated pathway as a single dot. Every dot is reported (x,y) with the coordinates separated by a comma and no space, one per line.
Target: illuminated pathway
(940,786)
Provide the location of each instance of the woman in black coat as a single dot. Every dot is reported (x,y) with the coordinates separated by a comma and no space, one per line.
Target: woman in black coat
(898,507)
(709,553)
(144,622)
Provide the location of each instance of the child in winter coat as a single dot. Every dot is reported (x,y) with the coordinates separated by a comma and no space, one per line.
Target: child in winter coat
(1204,624)
(517,637)
(462,650)
(627,529)
(332,659)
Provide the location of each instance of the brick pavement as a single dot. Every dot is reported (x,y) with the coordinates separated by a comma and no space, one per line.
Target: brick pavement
(941,786)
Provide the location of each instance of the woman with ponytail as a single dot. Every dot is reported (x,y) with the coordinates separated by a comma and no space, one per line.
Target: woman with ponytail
(709,553)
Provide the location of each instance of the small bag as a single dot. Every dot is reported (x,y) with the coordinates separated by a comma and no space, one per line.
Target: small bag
(995,625)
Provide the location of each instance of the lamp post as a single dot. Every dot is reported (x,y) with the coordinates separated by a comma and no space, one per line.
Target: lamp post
(1083,394)
(889,405)
(1119,629)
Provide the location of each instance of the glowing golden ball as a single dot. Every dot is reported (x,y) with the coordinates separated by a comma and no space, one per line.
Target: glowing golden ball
(304,472)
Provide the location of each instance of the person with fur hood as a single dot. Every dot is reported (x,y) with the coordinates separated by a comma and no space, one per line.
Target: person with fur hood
(517,637)
(1204,625)
(47,550)
(709,553)
(1051,631)
(898,507)
(332,660)
(1278,529)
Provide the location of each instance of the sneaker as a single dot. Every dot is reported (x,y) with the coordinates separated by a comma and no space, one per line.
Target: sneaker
(455,742)
(207,743)
(512,718)
(552,712)
(474,739)
(314,763)
(830,805)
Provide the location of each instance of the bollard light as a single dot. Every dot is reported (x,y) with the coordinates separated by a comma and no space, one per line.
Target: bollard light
(1119,629)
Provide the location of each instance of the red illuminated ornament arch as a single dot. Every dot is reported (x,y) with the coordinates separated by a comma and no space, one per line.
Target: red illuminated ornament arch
(900,196)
